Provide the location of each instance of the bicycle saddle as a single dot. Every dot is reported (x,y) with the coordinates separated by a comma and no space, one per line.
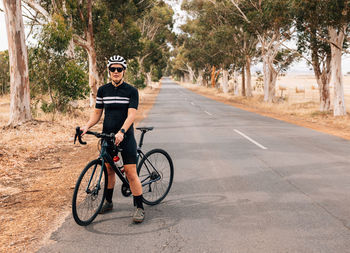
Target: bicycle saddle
(144,129)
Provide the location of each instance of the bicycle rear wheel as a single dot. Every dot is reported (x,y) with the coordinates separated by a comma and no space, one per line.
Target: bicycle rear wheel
(89,193)
(156,172)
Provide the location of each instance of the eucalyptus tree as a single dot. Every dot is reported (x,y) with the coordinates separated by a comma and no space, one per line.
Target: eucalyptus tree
(205,32)
(273,24)
(100,27)
(312,34)
(337,19)
(155,27)
(18,58)
(323,30)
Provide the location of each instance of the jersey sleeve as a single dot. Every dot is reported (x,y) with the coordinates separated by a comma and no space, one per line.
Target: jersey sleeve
(134,99)
(99,99)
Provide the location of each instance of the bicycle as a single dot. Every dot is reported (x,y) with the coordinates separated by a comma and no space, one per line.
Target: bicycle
(155,170)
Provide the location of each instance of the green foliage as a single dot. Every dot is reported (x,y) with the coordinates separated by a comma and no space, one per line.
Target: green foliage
(155,27)
(55,79)
(56,34)
(4,73)
(133,76)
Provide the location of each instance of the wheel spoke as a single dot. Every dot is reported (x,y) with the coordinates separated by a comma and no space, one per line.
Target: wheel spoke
(88,193)
(156,173)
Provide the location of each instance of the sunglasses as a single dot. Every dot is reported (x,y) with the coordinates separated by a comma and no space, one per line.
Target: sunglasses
(113,69)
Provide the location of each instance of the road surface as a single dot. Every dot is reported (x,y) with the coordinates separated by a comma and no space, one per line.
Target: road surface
(243,183)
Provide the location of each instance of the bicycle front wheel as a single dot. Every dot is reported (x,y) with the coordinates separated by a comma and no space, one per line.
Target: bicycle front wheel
(89,193)
(156,172)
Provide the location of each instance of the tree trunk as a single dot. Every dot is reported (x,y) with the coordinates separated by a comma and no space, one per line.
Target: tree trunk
(225,81)
(322,78)
(149,78)
(266,78)
(93,76)
(200,77)
(235,83)
(213,82)
(249,77)
(243,82)
(272,82)
(337,39)
(89,46)
(190,74)
(94,81)
(19,77)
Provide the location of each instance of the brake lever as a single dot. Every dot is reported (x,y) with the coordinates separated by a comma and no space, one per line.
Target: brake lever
(78,133)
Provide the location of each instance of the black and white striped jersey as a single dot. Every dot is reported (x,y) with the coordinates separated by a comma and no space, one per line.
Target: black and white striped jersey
(116,101)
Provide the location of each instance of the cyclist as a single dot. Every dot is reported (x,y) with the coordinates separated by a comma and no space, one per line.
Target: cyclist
(120,102)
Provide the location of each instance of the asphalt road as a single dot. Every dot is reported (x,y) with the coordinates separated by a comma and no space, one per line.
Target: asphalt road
(243,183)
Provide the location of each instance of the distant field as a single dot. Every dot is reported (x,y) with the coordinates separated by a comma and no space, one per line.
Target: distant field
(302,88)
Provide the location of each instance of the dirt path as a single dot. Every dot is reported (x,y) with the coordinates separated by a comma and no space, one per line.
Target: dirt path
(38,168)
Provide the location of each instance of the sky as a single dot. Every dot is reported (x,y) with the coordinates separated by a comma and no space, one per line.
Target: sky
(3,33)
(300,67)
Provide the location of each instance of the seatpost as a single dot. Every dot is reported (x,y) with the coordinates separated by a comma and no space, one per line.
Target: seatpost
(141,139)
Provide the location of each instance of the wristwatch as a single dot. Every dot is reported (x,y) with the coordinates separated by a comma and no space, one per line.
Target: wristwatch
(122,131)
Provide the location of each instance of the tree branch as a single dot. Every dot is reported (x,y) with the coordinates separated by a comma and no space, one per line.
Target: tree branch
(38,8)
(240,11)
(80,41)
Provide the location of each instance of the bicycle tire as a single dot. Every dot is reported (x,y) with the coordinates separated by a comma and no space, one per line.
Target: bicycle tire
(90,200)
(156,165)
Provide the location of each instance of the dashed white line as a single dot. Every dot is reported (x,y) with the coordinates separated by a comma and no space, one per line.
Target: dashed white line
(250,139)
(208,113)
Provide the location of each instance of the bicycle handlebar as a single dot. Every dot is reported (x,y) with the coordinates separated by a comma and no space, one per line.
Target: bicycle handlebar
(78,133)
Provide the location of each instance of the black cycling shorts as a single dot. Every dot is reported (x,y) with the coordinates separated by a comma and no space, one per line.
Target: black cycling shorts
(128,146)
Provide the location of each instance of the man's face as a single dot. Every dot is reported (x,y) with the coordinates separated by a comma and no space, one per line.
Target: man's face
(116,76)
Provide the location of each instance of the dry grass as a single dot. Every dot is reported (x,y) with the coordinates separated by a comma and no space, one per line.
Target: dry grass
(38,168)
(300,112)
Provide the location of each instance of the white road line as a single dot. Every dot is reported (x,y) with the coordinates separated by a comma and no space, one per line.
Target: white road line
(192,103)
(208,113)
(250,139)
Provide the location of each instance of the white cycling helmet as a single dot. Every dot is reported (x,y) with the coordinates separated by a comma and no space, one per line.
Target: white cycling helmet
(117,59)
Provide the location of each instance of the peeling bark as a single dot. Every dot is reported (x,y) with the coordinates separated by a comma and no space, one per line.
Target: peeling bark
(19,77)
(337,40)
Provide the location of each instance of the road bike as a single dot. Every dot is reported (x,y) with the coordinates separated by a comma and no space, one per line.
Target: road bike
(155,170)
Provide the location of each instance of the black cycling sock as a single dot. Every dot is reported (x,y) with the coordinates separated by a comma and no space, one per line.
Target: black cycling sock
(109,195)
(138,201)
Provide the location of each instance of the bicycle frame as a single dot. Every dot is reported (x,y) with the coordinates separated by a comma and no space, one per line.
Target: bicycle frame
(105,157)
